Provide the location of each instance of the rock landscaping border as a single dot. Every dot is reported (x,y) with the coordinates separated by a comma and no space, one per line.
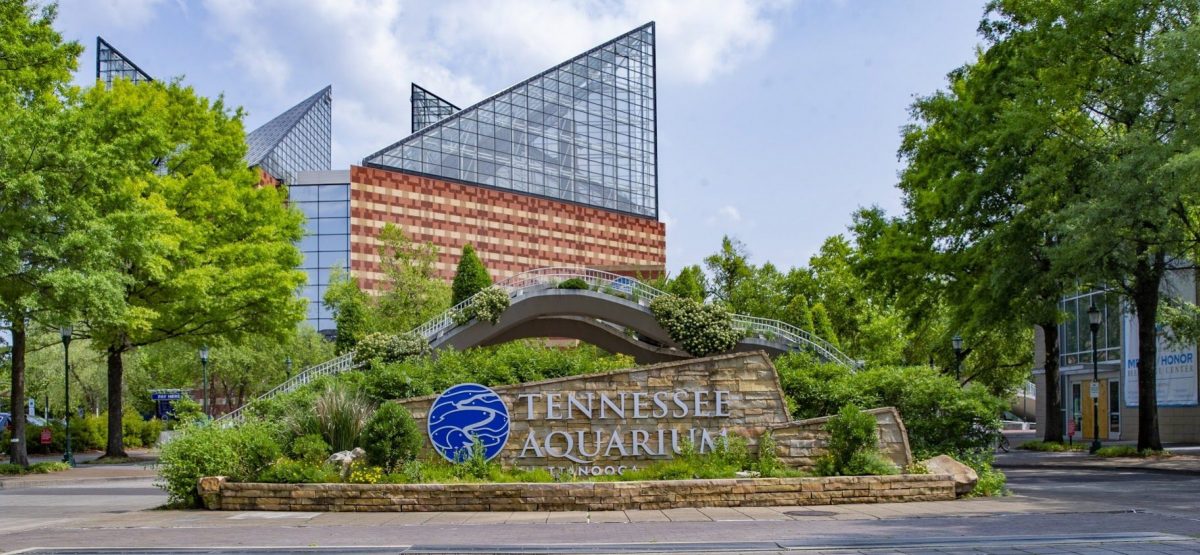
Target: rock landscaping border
(219,494)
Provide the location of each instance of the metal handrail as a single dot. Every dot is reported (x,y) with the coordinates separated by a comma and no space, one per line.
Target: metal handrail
(541,277)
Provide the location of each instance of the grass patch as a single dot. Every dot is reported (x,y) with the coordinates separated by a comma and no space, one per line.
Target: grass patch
(9,469)
(116,460)
(1128,451)
(1052,446)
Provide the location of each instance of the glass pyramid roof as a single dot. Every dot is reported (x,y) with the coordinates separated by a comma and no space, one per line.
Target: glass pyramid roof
(298,140)
(428,108)
(583,131)
(112,65)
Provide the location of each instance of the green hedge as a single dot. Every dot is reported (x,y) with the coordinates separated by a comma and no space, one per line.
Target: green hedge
(240,452)
(941,417)
(511,363)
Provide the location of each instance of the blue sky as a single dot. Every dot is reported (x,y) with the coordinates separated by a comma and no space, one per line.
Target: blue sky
(777,119)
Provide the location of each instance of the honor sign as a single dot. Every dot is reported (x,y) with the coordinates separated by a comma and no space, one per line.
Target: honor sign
(607,423)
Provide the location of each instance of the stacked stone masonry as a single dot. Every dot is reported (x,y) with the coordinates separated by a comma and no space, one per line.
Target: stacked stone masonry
(512,232)
(574,496)
(756,403)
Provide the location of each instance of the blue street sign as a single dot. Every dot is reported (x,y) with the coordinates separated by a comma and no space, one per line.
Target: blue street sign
(173,396)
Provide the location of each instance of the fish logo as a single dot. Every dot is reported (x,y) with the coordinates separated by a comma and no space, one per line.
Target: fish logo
(467,417)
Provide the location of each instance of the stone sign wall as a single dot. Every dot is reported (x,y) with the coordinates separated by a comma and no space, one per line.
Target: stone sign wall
(611,422)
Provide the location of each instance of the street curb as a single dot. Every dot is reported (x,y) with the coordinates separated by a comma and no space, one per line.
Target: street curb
(32,484)
(1150,470)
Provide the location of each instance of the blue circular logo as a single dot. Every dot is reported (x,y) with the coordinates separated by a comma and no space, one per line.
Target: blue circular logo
(465,414)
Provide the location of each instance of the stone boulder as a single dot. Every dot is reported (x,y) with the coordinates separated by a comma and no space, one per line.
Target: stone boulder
(344,459)
(964,476)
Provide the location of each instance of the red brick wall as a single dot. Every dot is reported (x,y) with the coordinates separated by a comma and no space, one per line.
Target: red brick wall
(512,232)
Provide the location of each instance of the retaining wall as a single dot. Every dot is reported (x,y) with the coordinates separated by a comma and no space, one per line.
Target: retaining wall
(219,494)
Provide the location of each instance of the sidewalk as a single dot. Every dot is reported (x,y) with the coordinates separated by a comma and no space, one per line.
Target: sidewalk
(1185,464)
(142,469)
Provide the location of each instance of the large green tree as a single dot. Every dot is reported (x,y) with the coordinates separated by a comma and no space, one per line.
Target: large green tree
(53,244)
(205,252)
(1119,80)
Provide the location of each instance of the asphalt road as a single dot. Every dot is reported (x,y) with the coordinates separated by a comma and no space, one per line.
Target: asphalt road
(1120,505)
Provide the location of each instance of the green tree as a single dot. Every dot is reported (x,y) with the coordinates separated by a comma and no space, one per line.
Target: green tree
(204,252)
(729,267)
(974,253)
(413,293)
(689,284)
(52,244)
(1122,82)
(799,314)
(471,276)
(351,308)
(824,326)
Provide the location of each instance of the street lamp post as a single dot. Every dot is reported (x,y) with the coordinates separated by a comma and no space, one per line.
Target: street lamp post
(67,332)
(1094,323)
(956,342)
(288,361)
(204,370)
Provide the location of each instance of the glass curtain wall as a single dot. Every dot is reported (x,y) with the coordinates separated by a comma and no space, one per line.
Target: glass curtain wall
(298,140)
(583,132)
(326,242)
(428,108)
(112,65)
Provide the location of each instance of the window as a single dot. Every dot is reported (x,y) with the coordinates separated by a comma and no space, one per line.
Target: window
(1075,335)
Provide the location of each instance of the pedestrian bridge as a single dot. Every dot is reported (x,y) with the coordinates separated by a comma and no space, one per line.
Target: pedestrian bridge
(613,313)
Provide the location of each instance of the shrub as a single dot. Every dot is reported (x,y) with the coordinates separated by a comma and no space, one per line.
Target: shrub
(8,469)
(853,447)
(364,474)
(239,452)
(574,283)
(1051,446)
(992,482)
(288,471)
(48,467)
(1126,451)
(89,432)
(486,306)
(338,414)
(701,329)
(470,278)
(941,417)
(767,461)
(311,448)
(514,362)
(391,437)
(187,410)
(387,348)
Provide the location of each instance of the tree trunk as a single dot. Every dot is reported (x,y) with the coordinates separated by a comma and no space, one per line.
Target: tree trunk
(18,452)
(1146,284)
(116,371)
(1053,424)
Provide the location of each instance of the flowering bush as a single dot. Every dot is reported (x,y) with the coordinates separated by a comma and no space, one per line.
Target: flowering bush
(389,348)
(700,329)
(485,306)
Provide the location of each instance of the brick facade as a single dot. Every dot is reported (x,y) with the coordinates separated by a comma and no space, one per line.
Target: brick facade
(512,232)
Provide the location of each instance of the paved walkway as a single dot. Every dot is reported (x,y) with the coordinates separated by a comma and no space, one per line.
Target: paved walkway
(142,469)
(1187,464)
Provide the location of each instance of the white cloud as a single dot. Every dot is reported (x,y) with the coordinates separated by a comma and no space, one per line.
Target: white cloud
(370,50)
(726,216)
(123,14)
(696,40)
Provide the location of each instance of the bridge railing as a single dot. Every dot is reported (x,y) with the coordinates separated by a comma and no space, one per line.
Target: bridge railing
(630,288)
